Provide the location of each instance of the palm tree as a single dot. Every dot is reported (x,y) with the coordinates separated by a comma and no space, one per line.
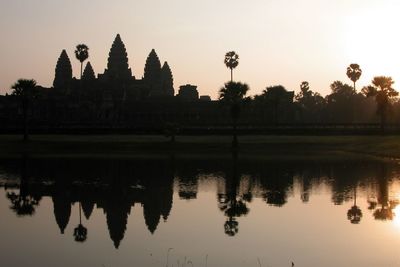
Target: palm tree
(231,61)
(354,73)
(383,92)
(25,90)
(81,54)
(233,95)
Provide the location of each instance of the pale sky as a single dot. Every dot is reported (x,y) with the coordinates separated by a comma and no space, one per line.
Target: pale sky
(278,41)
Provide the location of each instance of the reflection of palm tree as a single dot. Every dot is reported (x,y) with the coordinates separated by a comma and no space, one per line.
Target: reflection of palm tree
(80,232)
(354,214)
(231,227)
(231,61)
(385,212)
(232,204)
(23,203)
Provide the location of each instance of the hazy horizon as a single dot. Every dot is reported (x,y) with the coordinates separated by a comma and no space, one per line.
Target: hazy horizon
(278,41)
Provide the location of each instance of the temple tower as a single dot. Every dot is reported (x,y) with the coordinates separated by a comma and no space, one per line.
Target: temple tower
(63,76)
(117,66)
(88,73)
(152,73)
(167,80)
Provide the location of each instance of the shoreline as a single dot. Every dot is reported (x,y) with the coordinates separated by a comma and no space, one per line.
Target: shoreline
(273,147)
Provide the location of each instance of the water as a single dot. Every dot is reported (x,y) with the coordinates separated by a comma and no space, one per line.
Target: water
(199,211)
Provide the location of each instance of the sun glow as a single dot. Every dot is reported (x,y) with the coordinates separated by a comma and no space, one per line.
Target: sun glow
(372,40)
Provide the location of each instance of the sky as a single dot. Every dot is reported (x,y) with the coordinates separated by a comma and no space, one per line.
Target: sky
(279,41)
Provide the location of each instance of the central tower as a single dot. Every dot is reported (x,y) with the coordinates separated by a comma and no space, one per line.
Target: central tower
(117,66)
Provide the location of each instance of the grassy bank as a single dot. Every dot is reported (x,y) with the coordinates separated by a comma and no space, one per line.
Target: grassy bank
(276,146)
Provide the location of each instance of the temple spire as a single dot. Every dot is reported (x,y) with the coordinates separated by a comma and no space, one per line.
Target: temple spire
(152,74)
(88,73)
(167,80)
(63,72)
(152,69)
(117,66)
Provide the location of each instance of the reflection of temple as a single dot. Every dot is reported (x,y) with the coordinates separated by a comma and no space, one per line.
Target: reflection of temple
(188,183)
(116,186)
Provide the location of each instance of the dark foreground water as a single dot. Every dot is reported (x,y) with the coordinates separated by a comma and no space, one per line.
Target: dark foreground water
(215,211)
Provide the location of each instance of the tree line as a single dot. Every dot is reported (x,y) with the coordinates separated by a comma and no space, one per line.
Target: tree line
(343,105)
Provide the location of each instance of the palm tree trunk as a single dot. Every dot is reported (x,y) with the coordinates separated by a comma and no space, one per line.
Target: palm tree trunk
(276,113)
(383,121)
(231,75)
(235,139)
(80,85)
(25,118)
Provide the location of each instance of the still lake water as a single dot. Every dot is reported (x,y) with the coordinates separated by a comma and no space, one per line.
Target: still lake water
(214,211)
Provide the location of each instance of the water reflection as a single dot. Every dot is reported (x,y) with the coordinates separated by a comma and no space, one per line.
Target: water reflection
(232,202)
(116,186)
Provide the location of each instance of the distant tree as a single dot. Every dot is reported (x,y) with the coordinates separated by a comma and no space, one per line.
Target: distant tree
(384,94)
(305,90)
(26,91)
(231,61)
(233,95)
(81,54)
(310,104)
(354,73)
(340,89)
(275,96)
(341,102)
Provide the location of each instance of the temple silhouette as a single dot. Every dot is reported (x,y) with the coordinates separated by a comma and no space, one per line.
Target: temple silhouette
(116,99)
(117,84)
(117,93)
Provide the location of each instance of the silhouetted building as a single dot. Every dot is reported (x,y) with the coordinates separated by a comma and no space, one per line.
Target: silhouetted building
(205,98)
(117,65)
(63,76)
(188,92)
(88,73)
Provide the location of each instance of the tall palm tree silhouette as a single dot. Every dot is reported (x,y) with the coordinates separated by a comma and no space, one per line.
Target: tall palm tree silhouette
(354,73)
(233,95)
(25,90)
(231,61)
(81,54)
